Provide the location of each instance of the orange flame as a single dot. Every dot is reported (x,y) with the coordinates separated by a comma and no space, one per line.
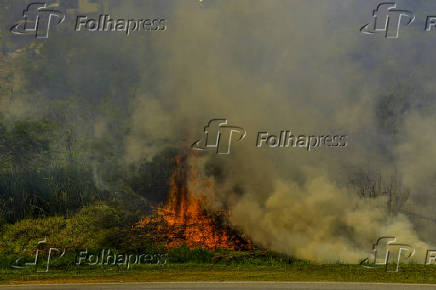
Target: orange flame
(185,218)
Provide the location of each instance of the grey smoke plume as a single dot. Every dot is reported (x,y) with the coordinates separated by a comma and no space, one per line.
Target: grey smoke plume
(270,66)
(304,67)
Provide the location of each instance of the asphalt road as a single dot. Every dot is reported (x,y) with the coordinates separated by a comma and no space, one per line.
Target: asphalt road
(227,285)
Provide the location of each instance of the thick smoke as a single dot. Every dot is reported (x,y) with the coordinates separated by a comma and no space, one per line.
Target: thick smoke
(271,66)
(292,65)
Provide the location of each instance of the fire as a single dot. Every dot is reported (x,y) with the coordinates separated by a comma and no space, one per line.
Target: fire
(185,219)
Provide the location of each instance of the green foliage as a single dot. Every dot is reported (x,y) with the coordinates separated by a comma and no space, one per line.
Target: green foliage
(184,254)
(25,144)
(25,234)
(29,144)
(49,191)
(63,136)
(42,174)
(93,227)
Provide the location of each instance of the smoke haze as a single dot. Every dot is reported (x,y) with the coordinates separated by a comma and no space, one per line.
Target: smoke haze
(266,66)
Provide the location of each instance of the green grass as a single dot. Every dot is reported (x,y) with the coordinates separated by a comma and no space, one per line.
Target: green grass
(186,264)
(225,272)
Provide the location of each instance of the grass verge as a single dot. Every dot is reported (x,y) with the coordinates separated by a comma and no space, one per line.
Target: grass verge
(219,272)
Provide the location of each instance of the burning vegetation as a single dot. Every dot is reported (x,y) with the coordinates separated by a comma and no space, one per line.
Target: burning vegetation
(186,219)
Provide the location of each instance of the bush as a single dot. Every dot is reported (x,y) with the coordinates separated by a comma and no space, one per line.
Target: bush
(94,227)
(185,255)
(25,234)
